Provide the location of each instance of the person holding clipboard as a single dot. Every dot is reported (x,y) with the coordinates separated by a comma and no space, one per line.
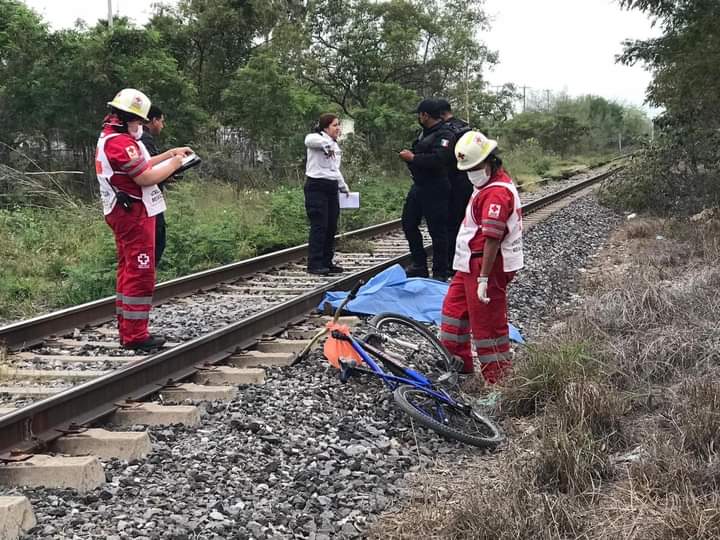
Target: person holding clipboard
(129,178)
(322,187)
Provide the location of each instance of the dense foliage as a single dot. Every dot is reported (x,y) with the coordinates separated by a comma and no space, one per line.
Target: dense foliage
(679,173)
(255,74)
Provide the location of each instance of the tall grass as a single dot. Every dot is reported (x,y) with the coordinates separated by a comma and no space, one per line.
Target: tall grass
(58,257)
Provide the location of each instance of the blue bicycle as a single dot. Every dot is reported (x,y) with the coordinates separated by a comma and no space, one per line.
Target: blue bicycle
(427,397)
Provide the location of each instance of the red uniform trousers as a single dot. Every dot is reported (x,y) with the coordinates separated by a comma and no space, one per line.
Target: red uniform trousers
(135,241)
(462,312)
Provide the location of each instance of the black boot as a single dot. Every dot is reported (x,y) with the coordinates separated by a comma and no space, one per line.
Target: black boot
(319,271)
(416,271)
(152,342)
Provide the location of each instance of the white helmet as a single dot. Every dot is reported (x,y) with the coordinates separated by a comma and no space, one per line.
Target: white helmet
(132,101)
(472,149)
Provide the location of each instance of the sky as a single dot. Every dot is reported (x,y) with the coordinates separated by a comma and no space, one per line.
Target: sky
(567,45)
(557,45)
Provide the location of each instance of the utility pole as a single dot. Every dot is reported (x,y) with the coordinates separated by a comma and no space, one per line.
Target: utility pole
(110,21)
(467,90)
(524,98)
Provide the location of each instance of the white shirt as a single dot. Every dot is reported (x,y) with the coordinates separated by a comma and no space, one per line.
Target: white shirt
(323,159)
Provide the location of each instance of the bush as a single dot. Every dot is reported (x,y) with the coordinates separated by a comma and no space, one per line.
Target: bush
(543,373)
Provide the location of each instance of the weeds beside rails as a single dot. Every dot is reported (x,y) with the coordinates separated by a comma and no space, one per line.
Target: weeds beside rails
(614,419)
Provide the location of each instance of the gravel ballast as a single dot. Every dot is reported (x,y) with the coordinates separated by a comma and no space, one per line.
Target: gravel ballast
(303,456)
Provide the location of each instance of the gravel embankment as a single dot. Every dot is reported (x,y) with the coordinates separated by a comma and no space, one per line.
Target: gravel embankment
(302,456)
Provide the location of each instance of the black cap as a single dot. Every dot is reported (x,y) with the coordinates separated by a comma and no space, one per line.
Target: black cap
(444,105)
(428,105)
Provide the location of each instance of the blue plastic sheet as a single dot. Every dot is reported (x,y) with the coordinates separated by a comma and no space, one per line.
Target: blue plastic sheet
(391,290)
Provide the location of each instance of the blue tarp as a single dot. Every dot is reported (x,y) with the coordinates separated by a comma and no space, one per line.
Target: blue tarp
(391,290)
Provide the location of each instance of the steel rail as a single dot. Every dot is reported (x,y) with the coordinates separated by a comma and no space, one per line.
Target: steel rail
(32,331)
(32,426)
(45,420)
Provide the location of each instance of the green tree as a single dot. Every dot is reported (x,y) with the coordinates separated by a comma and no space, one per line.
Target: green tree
(416,45)
(23,41)
(212,39)
(271,107)
(684,61)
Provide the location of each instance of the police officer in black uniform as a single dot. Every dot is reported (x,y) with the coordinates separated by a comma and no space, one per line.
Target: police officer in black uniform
(460,187)
(429,162)
(151,129)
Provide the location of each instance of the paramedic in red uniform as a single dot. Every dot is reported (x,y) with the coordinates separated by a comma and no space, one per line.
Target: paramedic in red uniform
(128,179)
(488,252)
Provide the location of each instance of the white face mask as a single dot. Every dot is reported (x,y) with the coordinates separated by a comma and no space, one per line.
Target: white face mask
(478,178)
(138,133)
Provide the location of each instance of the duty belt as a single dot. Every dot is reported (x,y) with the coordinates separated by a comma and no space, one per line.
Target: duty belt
(126,200)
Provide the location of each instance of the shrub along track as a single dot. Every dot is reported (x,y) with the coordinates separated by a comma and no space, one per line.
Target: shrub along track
(239,304)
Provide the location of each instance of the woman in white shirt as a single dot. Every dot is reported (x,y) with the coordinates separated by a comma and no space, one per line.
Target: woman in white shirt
(324,182)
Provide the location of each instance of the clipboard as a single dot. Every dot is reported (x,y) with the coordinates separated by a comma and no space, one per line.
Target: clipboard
(188,162)
(351,200)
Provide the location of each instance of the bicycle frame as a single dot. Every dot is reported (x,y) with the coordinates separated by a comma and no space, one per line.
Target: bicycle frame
(414,378)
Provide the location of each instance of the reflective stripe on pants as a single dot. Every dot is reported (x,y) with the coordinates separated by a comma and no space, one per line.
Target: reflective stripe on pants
(487,322)
(135,243)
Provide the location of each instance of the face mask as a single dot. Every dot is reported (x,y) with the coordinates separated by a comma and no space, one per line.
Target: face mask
(478,178)
(138,133)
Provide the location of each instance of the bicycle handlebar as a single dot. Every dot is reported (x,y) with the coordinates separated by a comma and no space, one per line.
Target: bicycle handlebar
(351,296)
(353,293)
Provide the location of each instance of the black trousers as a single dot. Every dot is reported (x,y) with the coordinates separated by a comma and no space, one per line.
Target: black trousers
(322,205)
(460,192)
(433,206)
(160,235)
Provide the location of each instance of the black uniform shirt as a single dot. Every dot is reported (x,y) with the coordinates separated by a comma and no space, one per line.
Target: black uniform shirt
(433,158)
(149,141)
(459,128)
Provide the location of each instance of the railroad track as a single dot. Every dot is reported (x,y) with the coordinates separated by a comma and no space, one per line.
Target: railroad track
(86,376)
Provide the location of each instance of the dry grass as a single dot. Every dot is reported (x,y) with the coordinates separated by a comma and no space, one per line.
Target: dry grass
(481,506)
(696,415)
(543,372)
(625,405)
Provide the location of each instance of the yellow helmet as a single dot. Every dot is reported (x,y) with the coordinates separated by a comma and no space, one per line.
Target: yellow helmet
(132,101)
(472,149)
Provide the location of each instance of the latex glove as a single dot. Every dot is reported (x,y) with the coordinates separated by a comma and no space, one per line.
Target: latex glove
(482,290)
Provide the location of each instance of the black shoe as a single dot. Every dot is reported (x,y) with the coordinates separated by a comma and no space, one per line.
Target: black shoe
(416,271)
(152,342)
(319,271)
(336,269)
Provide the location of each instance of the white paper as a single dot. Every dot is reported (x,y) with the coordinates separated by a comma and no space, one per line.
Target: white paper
(351,200)
(187,159)
(167,162)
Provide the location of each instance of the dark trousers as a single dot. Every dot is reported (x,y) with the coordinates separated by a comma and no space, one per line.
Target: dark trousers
(159,237)
(433,206)
(460,192)
(323,209)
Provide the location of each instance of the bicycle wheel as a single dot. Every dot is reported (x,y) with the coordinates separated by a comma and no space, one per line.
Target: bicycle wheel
(461,423)
(412,341)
